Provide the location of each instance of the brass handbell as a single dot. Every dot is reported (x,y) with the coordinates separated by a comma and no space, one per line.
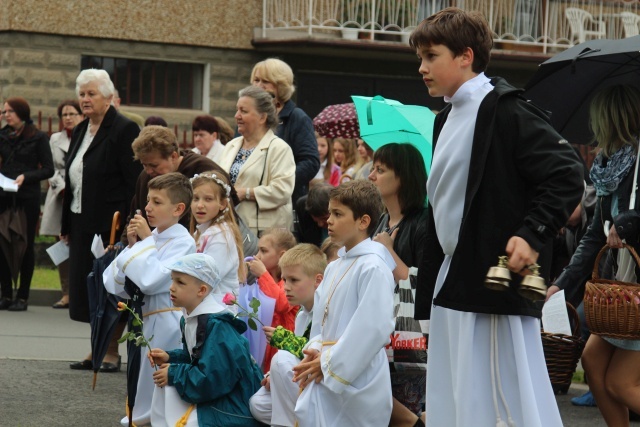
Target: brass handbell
(532,286)
(498,277)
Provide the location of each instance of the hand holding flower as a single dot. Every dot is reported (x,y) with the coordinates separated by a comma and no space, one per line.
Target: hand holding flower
(157,357)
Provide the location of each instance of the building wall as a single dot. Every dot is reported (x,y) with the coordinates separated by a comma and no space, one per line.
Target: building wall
(43,67)
(213,23)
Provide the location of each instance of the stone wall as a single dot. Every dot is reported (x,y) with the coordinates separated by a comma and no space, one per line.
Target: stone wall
(212,23)
(42,68)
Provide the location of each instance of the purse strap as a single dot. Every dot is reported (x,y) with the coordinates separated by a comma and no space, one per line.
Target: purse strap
(634,188)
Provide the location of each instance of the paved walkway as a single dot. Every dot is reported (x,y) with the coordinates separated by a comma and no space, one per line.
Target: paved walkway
(39,389)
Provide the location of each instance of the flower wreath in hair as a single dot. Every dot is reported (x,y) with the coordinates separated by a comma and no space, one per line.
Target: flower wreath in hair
(226,187)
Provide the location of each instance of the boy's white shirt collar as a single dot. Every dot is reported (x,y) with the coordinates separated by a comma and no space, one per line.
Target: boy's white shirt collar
(175,230)
(366,247)
(207,306)
(467,88)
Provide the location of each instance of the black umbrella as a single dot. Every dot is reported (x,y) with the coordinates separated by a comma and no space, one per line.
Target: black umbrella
(134,354)
(103,306)
(566,83)
(13,238)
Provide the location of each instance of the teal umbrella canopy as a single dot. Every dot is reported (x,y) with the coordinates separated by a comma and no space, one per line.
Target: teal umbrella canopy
(383,121)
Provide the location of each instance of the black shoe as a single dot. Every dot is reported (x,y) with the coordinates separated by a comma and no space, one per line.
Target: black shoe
(5,303)
(18,305)
(83,365)
(111,367)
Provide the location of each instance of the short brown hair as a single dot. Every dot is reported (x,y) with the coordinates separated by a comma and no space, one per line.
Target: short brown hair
(155,138)
(306,255)
(177,186)
(282,238)
(362,197)
(457,29)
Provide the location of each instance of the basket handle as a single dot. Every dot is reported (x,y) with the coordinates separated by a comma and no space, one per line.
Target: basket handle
(605,248)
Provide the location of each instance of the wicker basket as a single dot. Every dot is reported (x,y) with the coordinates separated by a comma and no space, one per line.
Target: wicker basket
(562,352)
(612,308)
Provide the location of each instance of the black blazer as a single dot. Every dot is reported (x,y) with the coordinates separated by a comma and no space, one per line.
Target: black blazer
(108,176)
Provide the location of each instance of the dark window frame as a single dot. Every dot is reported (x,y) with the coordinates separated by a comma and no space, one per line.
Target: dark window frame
(193,87)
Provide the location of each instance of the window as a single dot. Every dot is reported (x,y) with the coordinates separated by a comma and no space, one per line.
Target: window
(153,83)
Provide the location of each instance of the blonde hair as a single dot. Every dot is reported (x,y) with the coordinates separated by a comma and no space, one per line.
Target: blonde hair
(350,154)
(155,138)
(615,117)
(279,73)
(306,255)
(281,238)
(225,217)
(330,249)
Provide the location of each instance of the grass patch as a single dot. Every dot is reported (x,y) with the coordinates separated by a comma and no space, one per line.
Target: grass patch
(45,278)
(578,377)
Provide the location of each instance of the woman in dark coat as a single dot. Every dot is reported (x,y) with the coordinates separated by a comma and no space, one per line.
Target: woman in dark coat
(100,179)
(24,156)
(399,173)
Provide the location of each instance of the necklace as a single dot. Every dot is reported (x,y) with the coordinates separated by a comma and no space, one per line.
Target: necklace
(333,290)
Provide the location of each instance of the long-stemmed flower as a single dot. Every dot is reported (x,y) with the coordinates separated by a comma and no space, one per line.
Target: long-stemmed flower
(138,337)
(231,299)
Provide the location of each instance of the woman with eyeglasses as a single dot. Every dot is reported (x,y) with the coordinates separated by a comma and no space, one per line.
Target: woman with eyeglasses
(70,115)
(26,158)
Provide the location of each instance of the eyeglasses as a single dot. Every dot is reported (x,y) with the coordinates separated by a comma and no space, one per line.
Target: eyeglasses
(6,112)
(70,115)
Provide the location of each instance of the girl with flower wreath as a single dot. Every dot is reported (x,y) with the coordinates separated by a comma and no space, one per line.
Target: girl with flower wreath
(215,230)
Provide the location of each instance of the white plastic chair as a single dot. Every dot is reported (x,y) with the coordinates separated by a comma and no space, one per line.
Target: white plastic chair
(630,23)
(579,19)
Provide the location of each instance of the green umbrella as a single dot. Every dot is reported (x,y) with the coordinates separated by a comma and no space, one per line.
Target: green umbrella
(383,121)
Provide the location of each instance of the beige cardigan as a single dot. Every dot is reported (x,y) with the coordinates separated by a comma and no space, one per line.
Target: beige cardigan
(273,198)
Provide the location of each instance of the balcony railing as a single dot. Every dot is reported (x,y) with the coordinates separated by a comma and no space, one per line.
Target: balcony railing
(542,24)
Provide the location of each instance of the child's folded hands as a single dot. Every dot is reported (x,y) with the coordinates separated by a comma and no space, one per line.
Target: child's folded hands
(309,369)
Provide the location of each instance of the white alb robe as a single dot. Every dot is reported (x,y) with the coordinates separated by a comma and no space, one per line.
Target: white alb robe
(217,241)
(275,407)
(360,321)
(146,264)
(459,378)
(167,407)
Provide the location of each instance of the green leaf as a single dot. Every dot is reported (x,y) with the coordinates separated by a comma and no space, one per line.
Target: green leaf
(131,336)
(149,340)
(123,338)
(136,322)
(255,304)
(140,340)
(242,314)
(252,324)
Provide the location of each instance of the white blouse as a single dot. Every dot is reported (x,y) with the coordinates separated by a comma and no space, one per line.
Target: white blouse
(75,173)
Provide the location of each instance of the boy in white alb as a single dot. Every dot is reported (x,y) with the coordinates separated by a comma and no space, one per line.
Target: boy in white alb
(144,263)
(345,373)
(502,182)
(302,270)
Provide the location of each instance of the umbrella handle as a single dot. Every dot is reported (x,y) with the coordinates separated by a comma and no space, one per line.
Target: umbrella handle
(115,226)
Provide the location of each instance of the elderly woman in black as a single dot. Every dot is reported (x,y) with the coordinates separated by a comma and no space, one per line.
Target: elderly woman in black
(26,158)
(100,179)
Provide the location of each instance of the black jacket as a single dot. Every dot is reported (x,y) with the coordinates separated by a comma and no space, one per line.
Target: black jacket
(409,242)
(109,173)
(583,259)
(30,157)
(296,129)
(524,180)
